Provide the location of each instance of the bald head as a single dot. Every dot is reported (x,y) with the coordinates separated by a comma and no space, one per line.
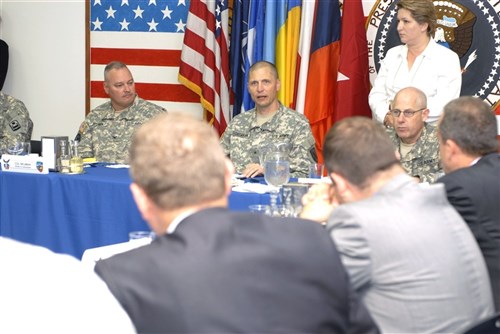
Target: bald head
(413,96)
(409,112)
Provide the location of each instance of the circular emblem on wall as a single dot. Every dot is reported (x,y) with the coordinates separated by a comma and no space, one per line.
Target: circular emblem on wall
(468,27)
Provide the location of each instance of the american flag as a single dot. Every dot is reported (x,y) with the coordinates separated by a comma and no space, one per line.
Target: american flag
(205,58)
(147,35)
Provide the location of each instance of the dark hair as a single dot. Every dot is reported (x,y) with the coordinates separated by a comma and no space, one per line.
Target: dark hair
(422,11)
(357,148)
(471,124)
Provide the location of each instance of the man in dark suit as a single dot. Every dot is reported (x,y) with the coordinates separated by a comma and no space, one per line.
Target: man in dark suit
(211,270)
(467,133)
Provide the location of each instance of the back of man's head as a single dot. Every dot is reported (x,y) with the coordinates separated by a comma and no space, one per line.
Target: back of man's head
(471,124)
(177,161)
(357,148)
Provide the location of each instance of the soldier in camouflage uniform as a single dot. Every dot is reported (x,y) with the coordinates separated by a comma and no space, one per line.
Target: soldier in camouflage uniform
(415,140)
(269,122)
(106,132)
(15,122)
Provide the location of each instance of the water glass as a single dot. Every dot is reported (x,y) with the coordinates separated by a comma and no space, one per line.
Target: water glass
(274,151)
(281,210)
(259,208)
(18,147)
(316,171)
(276,174)
(294,199)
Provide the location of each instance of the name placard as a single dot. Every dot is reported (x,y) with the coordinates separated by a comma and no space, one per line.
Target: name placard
(24,164)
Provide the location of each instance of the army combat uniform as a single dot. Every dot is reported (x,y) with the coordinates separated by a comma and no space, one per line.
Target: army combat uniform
(243,139)
(15,122)
(106,135)
(423,160)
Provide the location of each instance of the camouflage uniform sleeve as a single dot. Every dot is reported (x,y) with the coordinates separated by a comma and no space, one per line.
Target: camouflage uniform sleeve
(85,148)
(225,140)
(303,149)
(15,124)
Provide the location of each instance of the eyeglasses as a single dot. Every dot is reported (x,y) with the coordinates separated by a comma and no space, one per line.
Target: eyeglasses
(408,113)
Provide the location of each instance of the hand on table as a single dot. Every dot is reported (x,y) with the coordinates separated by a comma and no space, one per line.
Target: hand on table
(253,170)
(319,202)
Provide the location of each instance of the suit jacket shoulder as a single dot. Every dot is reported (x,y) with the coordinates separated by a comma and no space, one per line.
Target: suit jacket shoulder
(222,271)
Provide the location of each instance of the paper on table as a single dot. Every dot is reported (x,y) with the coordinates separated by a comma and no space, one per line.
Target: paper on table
(92,255)
(324,179)
(253,188)
(118,166)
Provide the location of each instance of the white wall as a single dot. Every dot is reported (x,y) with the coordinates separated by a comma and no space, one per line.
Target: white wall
(47,61)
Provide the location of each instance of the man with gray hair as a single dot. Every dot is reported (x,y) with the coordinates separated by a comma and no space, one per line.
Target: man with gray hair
(467,132)
(408,252)
(214,271)
(106,132)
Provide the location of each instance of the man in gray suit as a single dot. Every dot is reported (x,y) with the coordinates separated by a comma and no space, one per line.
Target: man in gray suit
(408,252)
(214,271)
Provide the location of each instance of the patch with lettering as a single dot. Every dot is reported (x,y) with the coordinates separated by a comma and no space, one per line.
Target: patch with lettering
(468,27)
(14,125)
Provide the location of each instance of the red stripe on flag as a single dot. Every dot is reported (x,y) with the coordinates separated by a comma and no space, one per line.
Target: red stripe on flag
(146,57)
(156,92)
(204,64)
(206,92)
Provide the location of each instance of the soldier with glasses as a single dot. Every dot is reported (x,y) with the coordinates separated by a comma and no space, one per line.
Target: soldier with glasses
(414,139)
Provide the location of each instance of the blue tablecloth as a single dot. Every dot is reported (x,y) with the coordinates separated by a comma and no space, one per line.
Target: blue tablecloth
(71,213)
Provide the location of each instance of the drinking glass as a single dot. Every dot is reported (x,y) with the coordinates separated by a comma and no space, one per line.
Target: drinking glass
(16,147)
(292,194)
(259,208)
(276,174)
(263,152)
(316,171)
(279,150)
